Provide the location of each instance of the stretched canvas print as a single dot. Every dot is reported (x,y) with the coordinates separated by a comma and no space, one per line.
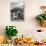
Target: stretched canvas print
(17,11)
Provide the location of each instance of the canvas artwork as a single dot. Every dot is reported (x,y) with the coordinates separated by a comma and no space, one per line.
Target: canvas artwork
(17,11)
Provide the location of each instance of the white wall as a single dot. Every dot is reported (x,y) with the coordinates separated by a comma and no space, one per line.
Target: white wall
(32,8)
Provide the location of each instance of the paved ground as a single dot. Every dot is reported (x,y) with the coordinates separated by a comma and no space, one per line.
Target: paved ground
(30,45)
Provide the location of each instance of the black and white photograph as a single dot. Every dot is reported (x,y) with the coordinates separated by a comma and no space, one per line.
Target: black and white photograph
(17,11)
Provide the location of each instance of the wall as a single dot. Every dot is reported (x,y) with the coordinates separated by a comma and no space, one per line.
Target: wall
(32,8)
